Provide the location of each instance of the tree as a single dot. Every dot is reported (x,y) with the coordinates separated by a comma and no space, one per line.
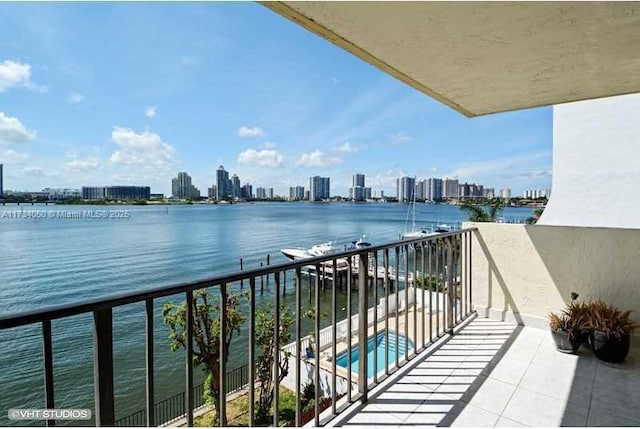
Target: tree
(480,213)
(535,217)
(206,334)
(265,330)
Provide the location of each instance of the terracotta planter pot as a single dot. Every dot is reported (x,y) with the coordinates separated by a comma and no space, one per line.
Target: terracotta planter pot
(563,343)
(610,349)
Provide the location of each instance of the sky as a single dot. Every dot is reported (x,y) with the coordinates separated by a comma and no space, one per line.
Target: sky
(97,94)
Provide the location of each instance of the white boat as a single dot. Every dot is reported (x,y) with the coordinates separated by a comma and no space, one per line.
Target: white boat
(414,232)
(323,249)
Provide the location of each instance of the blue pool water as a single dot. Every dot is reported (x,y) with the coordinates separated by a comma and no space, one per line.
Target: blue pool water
(376,346)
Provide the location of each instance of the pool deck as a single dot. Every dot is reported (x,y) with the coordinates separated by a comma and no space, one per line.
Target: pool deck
(493,373)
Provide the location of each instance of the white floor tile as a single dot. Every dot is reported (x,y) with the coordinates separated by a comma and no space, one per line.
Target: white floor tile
(536,409)
(492,395)
(472,416)
(507,370)
(504,422)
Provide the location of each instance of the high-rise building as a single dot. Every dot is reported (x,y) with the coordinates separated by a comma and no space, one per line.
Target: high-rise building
(434,191)
(296,193)
(319,188)
(182,188)
(261,193)
(236,190)
(212,192)
(488,193)
(421,190)
(537,193)
(1,185)
(405,189)
(270,193)
(116,192)
(358,192)
(450,188)
(505,193)
(222,183)
(246,191)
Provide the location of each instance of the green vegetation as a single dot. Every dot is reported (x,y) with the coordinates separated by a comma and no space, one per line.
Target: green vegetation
(483,213)
(206,335)
(535,217)
(432,283)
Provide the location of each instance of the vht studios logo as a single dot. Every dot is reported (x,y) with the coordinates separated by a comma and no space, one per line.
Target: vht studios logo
(49,414)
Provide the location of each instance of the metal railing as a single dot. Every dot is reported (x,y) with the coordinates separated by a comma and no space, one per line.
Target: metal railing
(417,316)
(172,408)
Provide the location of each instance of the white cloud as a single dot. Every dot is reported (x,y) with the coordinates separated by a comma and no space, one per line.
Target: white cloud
(347,148)
(151,111)
(14,74)
(318,159)
(400,138)
(12,131)
(75,98)
(141,148)
(12,157)
(261,158)
(245,131)
(82,165)
(33,171)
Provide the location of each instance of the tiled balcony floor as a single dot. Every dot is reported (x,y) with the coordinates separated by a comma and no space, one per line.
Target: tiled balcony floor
(498,374)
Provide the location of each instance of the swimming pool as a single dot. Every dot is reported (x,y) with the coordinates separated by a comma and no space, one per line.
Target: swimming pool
(375,345)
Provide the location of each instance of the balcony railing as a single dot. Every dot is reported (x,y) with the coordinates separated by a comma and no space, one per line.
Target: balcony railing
(427,291)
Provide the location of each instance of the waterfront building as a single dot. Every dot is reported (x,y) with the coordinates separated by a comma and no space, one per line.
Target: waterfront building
(405,189)
(421,190)
(212,192)
(358,191)
(270,193)
(488,193)
(156,196)
(450,188)
(246,191)
(505,193)
(116,192)
(236,191)
(319,188)
(182,188)
(434,189)
(261,194)
(537,193)
(55,194)
(296,193)
(222,183)
(307,194)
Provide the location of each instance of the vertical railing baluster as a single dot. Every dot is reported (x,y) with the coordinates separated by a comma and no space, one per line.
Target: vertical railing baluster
(222,419)
(334,323)
(188,404)
(406,302)
(385,262)
(397,290)
(103,367)
(471,272)
(47,353)
(298,359)
(150,414)
(317,351)
(363,273)
(349,279)
(252,350)
(276,352)
(424,309)
(415,298)
(439,287)
(430,248)
(451,291)
(375,316)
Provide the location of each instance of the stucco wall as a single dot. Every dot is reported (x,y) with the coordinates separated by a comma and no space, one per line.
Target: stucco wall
(596,153)
(522,272)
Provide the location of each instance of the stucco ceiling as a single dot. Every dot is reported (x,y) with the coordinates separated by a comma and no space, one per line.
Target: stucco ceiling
(488,57)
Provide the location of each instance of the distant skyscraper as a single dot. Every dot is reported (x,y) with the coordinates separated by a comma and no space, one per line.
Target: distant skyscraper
(182,188)
(116,192)
(358,192)
(405,189)
(434,189)
(296,193)
(450,188)
(235,186)
(261,194)
(222,180)
(421,190)
(319,188)
(212,192)
(270,193)
(246,191)
(505,193)
(488,193)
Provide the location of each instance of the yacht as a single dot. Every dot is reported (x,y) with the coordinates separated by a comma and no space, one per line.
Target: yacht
(324,249)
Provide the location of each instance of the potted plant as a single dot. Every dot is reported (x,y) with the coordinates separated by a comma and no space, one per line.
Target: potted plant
(611,330)
(569,327)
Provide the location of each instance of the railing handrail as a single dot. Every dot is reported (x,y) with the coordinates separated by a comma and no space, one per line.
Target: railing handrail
(74,309)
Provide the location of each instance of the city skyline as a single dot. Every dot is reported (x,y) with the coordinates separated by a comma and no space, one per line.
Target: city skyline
(76,110)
